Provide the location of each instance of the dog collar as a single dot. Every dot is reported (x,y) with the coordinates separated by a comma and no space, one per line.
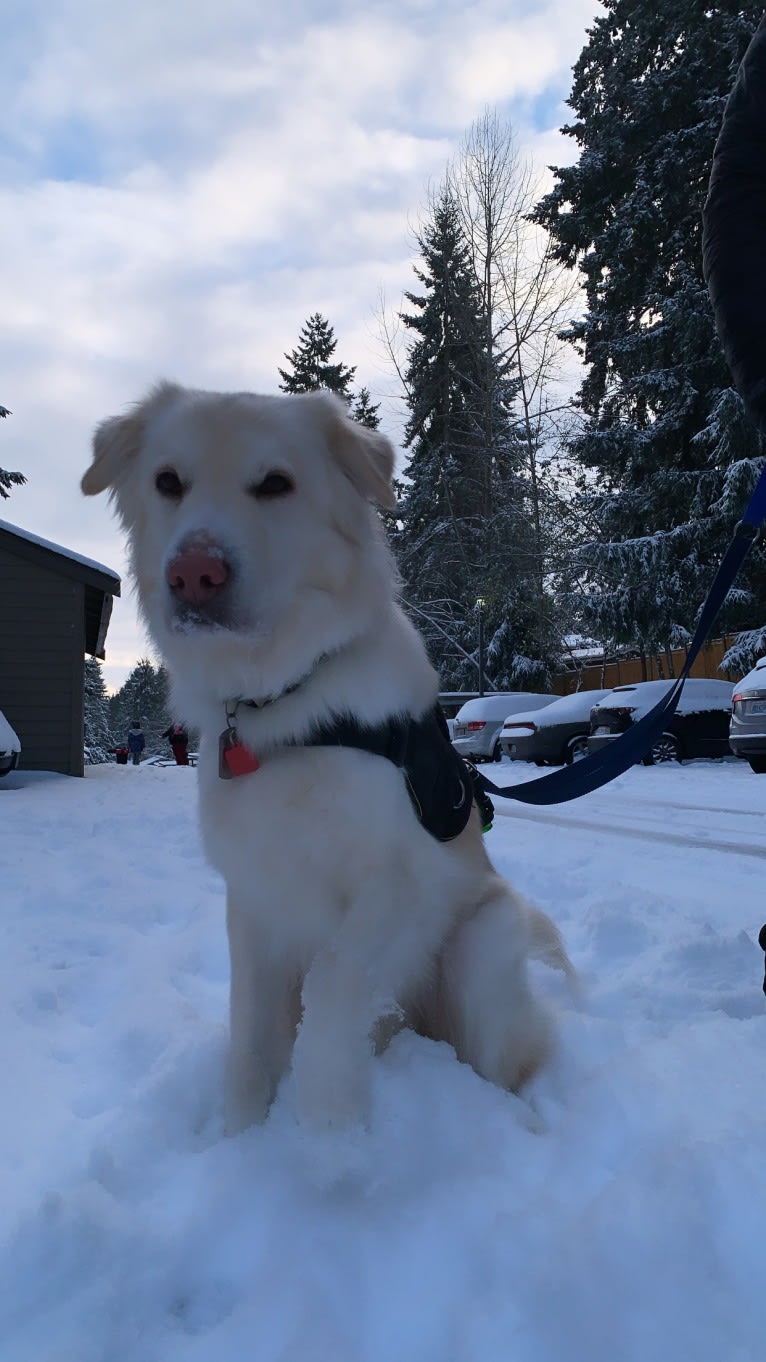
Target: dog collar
(234,757)
(231,706)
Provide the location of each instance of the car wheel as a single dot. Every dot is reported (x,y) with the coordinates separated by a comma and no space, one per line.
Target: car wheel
(576,748)
(666,748)
(758,764)
(497,752)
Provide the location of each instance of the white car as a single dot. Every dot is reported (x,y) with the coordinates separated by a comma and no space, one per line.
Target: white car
(10,747)
(478,722)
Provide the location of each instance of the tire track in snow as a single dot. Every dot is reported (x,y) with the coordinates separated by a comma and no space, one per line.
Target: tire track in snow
(643,834)
(697,808)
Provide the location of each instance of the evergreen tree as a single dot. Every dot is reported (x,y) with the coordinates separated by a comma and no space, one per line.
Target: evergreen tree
(8,480)
(96,735)
(364,410)
(311,366)
(144,696)
(666,456)
(464,534)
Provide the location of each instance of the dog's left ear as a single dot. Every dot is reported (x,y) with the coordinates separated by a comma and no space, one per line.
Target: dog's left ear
(366,456)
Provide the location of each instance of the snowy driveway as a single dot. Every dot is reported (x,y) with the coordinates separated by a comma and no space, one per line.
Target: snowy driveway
(616,1214)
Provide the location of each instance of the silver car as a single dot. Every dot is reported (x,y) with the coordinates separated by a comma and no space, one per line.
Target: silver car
(747,730)
(478,723)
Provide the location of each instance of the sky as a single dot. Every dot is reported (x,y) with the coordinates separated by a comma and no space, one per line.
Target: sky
(613,1212)
(182,185)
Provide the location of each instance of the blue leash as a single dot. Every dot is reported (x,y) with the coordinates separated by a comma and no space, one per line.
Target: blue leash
(598,768)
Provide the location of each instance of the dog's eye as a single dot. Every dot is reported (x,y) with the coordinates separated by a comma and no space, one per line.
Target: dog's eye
(169,484)
(272,486)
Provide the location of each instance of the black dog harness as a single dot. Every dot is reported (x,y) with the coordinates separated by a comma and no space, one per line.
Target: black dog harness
(442,785)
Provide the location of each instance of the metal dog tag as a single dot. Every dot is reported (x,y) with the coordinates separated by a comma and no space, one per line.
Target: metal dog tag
(234,759)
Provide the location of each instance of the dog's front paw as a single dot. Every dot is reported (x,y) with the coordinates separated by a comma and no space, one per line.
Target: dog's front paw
(248,1097)
(332,1098)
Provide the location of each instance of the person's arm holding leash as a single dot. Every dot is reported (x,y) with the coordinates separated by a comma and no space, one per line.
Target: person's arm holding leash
(734,230)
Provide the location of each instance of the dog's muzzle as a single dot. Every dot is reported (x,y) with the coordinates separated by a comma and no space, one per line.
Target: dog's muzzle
(199,579)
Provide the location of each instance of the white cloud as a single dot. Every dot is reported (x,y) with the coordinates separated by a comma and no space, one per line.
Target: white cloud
(182,185)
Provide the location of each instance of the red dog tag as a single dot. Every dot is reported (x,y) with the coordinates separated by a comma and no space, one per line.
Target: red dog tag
(234,759)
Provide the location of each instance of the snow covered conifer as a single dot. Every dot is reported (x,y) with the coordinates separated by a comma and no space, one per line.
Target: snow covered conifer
(97,736)
(465,529)
(364,410)
(311,362)
(666,455)
(9,480)
(144,696)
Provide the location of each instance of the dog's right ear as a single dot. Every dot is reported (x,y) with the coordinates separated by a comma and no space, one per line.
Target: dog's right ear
(115,442)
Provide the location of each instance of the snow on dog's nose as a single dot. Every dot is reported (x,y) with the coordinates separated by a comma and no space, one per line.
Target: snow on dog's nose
(197,576)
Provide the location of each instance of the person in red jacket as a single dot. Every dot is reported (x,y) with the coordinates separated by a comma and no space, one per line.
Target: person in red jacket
(179,741)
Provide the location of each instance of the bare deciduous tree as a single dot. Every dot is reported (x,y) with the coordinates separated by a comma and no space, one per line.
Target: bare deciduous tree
(528,297)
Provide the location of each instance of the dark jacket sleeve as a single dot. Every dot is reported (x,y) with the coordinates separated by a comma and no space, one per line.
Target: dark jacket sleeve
(734,230)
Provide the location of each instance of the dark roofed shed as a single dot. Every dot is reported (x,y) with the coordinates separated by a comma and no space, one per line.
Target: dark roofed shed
(54,608)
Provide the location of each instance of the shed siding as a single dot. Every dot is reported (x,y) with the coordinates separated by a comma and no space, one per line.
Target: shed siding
(42,647)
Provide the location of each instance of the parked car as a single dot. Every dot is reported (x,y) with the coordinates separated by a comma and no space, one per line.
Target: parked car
(10,747)
(478,722)
(699,727)
(557,734)
(451,701)
(747,731)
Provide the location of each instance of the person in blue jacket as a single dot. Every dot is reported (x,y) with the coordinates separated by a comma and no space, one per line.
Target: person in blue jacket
(136,742)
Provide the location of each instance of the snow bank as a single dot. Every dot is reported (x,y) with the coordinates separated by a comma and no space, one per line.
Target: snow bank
(614,1214)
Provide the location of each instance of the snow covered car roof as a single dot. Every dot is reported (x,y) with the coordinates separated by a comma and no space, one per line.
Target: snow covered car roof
(698,694)
(498,705)
(564,710)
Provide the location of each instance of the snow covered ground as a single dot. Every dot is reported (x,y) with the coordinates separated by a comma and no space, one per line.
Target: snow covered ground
(615,1214)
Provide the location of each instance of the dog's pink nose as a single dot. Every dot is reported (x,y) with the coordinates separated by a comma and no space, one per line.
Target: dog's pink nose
(197,576)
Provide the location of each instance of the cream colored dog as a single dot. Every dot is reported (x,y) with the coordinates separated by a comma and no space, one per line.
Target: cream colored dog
(266,583)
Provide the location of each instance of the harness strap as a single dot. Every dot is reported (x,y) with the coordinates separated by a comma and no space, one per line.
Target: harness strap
(439,782)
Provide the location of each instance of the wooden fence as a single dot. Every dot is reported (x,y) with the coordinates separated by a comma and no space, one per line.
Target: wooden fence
(625,671)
